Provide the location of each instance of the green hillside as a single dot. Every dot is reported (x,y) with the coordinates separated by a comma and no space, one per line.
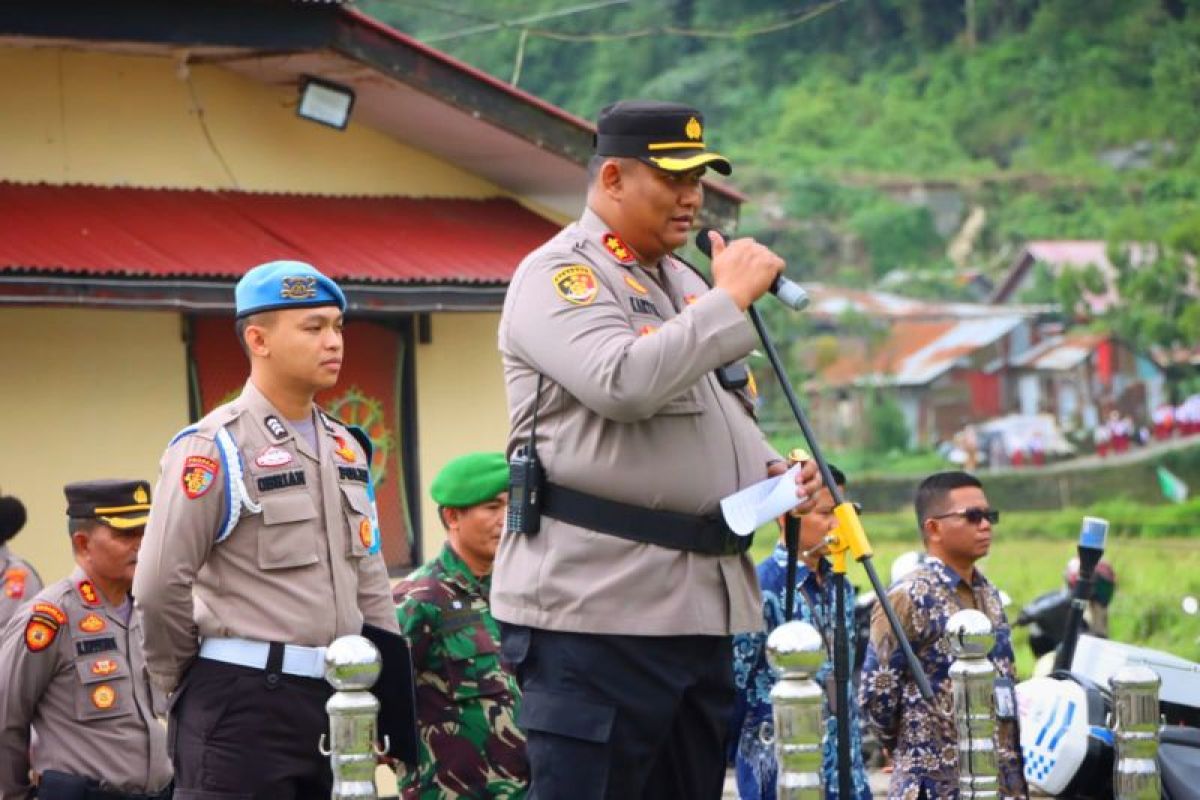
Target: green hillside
(1067,119)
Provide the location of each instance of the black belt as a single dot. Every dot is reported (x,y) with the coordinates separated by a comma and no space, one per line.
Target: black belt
(55,785)
(708,534)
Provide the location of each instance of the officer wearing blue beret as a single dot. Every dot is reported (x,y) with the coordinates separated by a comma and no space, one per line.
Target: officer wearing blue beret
(262,548)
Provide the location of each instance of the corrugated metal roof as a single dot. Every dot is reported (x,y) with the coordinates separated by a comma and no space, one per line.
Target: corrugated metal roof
(156,232)
(1061,352)
(939,355)
(917,352)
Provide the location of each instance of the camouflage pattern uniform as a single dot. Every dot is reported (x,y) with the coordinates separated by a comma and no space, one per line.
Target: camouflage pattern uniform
(467,700)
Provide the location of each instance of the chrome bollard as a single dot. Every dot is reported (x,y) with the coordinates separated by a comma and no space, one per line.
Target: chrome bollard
(796,652)
(352,666)
(972,678)
(1135,729)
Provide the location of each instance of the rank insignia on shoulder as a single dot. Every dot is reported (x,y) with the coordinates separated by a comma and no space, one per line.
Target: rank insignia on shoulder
(344,451)
(632,283)
(199,474)
(273,456)
(646,330)
(92,623)
(275,426)
(87,593)
(620,251)
(104,696)
(690,299)
(14,583)
(103,666)
(576,284)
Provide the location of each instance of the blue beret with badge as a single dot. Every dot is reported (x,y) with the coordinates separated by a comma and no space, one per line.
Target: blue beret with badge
(471,479)
(285,284)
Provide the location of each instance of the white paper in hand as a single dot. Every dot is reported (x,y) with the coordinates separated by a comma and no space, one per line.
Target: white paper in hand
(756,505)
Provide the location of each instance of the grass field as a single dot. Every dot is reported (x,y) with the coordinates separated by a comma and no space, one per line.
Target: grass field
(1153,575)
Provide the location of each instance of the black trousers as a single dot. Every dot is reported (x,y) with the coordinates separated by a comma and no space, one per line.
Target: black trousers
(623,717)
(243,733)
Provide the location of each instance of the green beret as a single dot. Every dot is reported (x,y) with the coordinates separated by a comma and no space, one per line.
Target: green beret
(470,479)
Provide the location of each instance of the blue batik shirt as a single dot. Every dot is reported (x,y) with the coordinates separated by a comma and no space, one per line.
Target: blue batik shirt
(922,737)
(752,716)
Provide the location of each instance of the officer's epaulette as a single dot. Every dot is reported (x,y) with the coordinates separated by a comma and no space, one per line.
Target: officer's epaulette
(213,421)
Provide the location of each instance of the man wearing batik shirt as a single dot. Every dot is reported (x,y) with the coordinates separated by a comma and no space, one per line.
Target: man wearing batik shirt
(816,604)
(956,525)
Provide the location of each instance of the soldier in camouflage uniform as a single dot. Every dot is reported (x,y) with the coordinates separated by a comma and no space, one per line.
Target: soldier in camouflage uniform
(467,700)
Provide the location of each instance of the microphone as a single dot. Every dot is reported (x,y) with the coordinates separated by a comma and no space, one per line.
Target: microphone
(1092,535)
(790,293)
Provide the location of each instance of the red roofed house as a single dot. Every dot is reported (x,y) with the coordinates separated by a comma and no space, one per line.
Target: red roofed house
(944,364)
(154,151)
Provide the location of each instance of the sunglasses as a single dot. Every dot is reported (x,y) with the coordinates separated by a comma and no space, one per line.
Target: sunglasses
(973,515)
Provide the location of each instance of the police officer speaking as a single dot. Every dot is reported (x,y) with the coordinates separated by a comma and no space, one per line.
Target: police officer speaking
(619,610)
(74,677)
(261,549)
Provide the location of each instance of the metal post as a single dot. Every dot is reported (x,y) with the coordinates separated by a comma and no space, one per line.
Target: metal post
(352,666)
(796,652)
(1135,728)
(972,678)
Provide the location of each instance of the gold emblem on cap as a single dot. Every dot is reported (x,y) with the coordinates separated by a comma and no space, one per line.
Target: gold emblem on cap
(299,288)
(694,129)
(140,496)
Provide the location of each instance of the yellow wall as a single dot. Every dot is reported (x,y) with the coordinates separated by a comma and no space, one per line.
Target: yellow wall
(86,117)
(460,402)
(80,117)
(86,394)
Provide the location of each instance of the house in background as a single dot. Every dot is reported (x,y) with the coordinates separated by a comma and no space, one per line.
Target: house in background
(155,151)
(949,364)
(1079,377)
(944,364)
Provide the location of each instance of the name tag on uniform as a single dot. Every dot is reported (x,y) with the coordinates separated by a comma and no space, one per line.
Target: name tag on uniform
(356,474)
(454,620)
(283,480)
(86,647)
(1006,699)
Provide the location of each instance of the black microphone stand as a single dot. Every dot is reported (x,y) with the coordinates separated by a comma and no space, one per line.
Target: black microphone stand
(848,536)
(1089,557)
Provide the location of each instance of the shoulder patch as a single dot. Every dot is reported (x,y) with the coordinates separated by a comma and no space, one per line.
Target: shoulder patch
(14,582)
(53,612)
(198,476)
(576,284)
(42,628)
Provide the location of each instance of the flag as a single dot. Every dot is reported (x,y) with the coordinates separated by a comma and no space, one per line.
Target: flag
(1172,487)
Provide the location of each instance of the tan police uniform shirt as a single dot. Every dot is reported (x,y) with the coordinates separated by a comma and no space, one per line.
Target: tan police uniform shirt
(630,410)
(296,571)
(76,677)
(18,583)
